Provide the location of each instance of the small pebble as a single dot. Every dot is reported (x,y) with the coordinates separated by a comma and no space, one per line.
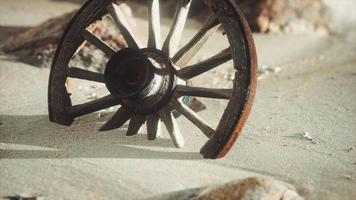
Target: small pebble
(306,135)
(265,69)
(350,149)
(267,128)
(276,70)
(346,176)
(92,96)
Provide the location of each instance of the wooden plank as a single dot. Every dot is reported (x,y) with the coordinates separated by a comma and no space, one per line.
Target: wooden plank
(135,124)
(154,25)
(83,74)
(120,118)
(171,43)
(205,65)
(186,53)
(92,106)
(183,90)
(121,22)
(195,119)
(154,126)
(99,43)
(172,127)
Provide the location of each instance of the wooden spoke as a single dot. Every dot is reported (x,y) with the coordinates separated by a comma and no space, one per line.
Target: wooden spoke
(206,65)
(75,72)
(172,127)
(183,90)
(154,32)
(121,22)
(99,43)
(154,126)
(120,117)
(171,43)
(135,124)
(185,54)
(92,106)
(195,119)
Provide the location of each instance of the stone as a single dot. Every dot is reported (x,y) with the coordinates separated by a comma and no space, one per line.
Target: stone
(254,188)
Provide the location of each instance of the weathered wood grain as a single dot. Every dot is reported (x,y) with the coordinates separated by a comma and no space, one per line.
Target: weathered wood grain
(92,106)
(121,116)
(83,74)
(195,119)
(183,90)
(187,52)
(154,25)
(135,124)
(154,126)
(205,65)
(121,22)
(171,43)
(99,43)
(172,127)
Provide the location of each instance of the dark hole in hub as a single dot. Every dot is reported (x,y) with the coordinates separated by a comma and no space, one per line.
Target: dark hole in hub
(128,72)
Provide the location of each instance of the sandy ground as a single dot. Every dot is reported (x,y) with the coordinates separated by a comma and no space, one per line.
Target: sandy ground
(314,92)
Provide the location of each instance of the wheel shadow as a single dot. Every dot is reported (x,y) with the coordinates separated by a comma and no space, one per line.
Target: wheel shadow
(28,137)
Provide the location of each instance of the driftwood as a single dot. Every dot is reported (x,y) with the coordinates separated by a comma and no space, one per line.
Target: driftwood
(45,35)
(33,45)
(38,44)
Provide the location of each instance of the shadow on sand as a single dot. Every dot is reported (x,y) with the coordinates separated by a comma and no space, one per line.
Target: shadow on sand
(27,137)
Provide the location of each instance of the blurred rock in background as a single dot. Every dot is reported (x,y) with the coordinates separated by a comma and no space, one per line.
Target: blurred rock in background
(284,15)
(273,15)
(37,45)
(253,188)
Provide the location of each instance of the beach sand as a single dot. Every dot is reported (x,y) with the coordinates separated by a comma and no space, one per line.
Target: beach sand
(311,89)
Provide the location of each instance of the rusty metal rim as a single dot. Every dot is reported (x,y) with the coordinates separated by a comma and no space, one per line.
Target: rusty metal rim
(252,85)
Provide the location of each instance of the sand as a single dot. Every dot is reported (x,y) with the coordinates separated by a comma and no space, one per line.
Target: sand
(314,92)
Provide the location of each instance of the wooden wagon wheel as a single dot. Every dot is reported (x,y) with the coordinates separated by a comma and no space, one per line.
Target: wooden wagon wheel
(149,83)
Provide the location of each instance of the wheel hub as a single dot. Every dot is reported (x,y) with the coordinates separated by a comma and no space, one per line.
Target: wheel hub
(143,79)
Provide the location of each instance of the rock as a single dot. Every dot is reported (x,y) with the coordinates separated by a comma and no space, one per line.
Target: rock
(347,176)
(306,135)
(284,15)
(274,15)
(255,188)
(251,189)
(350,149)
